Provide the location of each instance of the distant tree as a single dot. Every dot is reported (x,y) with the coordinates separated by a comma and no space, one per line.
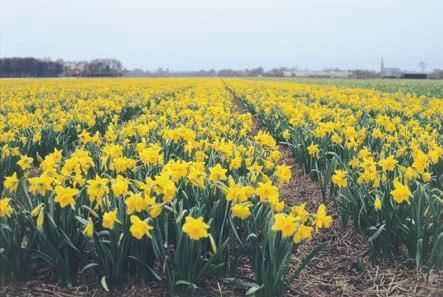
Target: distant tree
(436,74)
(256,71)
(100,68)
(32,67)
(277,72)
(230,73)
(29,67)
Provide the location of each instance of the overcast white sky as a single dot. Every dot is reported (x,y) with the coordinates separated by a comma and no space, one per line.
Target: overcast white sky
(195,34)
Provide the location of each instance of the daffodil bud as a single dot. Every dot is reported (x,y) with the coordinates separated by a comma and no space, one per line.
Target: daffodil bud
(89,229)
(36,211)
(377,203)
(41,218)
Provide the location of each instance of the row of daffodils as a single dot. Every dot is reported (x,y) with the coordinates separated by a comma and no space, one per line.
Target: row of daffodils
(377,155)
(142,179)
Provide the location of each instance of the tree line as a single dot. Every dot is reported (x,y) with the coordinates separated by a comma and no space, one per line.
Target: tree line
(32,67)
(29,67)
(227,72)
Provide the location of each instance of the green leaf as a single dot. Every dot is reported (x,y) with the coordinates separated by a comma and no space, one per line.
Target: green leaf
(89,266)
(213,245)
(104,284)
(418,253)
(377,234)
(186,283)
(147,266)
(252,290)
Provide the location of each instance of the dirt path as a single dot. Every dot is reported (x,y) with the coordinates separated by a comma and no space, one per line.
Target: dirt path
(344,267)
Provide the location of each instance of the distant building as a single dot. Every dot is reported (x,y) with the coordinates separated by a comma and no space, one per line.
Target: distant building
(398,73)
(364,74)
(287,73)
(390,72)
(327,73)
(338,73)
(414,75)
